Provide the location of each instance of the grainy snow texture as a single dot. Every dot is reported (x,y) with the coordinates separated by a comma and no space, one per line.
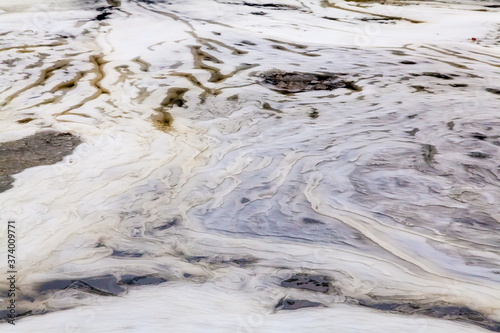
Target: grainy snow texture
(251,166)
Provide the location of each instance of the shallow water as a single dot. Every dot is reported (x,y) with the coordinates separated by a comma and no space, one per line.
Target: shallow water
(254,166)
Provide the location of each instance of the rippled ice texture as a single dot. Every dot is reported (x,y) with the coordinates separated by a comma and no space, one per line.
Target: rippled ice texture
(203,195)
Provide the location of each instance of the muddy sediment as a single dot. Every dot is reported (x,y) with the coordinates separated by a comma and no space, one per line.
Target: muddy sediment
(42,148)
(309,282)
(105,285)
(433,309)
(294,82)
(294,304)
(439,310)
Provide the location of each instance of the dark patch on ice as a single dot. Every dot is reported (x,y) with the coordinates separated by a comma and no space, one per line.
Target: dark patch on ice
(269,6)
(247,42)
(25,120)
(478,220)
(330,18)
(429,152)
(294,304)
(398,53)
(152,2)
(107,10)
(383,20)
(233,98)
(309,282)
(438,75)
(308,220)
(438,310)
(242,262)
(314,114)
(42,148)
(102,16)
(413,131)
(479,136)
(493,91)
(131,280)
(267,106)
(219,260)
(106,285)
(168,224)
(126,254)
(163,119)
(419,88)
(294,82)
(197,259)
(174,97)
(477,154)
(4,314)
(114,3)
(408,62)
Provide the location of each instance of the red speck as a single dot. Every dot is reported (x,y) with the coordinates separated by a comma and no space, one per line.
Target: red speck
(474,39)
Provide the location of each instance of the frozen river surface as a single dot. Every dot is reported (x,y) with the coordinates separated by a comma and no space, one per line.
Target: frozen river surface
(251,166)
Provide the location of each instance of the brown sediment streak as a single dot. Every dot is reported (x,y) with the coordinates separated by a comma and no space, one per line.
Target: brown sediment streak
(267,106)
(144,64)
(270,6)
(197,83)
(44,75)
(151,47)
(282,48)
(201,55)
(53,99)
(163,119)
(216,75)
(486,54)
(299,46)
(168,14)
(456,55)
(24,47)
(39,63)
(174,97)
(451,63)
(69,84)
(98,63)
(215,22)
(207,41)
(143,94)
(125,73)
(25,120)
(326,3)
